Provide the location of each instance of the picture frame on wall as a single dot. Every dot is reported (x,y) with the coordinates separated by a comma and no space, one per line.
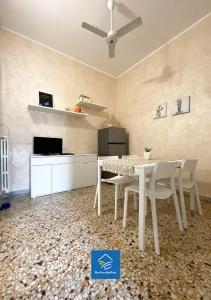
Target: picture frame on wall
(160,110)
(180,106)
(45,99)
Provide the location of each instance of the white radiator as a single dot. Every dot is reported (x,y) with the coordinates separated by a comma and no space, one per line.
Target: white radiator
(4,165)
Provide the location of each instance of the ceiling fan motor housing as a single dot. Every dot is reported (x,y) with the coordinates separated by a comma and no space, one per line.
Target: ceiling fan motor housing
(112,39)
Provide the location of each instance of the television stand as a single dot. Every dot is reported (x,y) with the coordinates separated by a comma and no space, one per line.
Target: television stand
(58,173)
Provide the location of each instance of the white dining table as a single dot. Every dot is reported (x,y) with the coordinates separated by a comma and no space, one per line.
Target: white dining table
(139,167)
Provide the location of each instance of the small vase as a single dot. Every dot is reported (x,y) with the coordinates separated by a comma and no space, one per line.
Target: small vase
(77,109)
(147,155)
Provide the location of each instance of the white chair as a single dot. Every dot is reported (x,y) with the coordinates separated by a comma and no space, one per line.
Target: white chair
(163,170)
(118,181)
(186,181)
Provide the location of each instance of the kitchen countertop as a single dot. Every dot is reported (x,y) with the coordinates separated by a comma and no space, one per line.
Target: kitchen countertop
(76,154)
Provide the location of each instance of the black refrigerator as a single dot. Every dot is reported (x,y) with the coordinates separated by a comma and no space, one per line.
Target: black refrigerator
(112,141)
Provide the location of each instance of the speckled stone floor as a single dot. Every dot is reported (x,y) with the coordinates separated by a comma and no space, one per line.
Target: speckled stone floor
(45,246)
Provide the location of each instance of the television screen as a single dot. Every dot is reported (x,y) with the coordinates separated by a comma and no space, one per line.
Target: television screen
(47,146)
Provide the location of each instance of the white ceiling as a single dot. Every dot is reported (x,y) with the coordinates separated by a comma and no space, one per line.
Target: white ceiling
(57,24)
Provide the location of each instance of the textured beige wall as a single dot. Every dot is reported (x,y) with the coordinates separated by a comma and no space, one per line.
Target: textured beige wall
(29,68)
(181,68)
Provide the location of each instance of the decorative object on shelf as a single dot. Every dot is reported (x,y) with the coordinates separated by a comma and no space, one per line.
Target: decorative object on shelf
(147,153)
(82,97)
(110,118)
(77,109)
(110,121)
(160,111)
(68,109)
(181,106)
(45,99)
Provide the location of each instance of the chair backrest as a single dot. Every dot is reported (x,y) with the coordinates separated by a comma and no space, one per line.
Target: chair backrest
(188,166)
(164,170)
(108,157)
(129,156)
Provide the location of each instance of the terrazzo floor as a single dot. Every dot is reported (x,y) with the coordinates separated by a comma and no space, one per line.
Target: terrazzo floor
(45,246)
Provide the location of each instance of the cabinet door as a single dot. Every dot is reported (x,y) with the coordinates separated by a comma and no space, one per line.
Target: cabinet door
(117,135)
(78,175)
(40,180)
(90,173)
(62,177)
(117,149)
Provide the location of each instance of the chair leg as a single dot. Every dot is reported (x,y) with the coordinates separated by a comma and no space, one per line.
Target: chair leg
(120,191)
(198,199)
(176,204)
(145,206)
(182,201)
(135,201)
(116,200)
(155,226)
(192,199)
(96,193)
(125,208)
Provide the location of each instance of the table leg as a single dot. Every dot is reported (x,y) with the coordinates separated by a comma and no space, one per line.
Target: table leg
(96,194)
(142,197)
(99,188)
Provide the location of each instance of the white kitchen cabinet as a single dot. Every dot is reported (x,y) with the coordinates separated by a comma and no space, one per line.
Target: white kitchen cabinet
(62,177)
(41,179)
(78,175)
(90,173)
(53,174)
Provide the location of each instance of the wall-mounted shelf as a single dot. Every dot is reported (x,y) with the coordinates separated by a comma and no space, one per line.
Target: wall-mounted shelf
(56,111)
(91,105)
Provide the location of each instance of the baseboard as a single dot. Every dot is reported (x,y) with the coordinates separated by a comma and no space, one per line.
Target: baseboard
(15,193)
(202,197)
(27,191)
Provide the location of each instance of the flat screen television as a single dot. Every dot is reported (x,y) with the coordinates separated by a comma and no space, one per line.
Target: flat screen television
(47,146)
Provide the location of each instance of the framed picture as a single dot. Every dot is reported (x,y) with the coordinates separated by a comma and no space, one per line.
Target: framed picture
(160,111)
(181,106)
(45,99)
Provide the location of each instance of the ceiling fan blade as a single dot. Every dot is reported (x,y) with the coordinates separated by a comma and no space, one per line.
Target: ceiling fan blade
(129,27)
(111,48)
(94,29)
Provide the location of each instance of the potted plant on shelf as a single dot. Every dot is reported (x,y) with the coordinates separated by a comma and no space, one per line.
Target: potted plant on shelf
(147,152)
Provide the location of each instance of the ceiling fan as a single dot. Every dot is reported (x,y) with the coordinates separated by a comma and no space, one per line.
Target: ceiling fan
(111,36)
